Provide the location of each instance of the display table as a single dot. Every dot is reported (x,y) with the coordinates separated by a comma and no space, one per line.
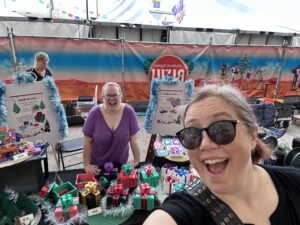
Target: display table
(138,216)
(26,176)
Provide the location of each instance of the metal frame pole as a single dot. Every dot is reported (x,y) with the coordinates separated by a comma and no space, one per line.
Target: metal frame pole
(10,36)
(123,63)
(284,46)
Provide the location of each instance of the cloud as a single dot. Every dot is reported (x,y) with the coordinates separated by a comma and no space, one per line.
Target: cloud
(236,6)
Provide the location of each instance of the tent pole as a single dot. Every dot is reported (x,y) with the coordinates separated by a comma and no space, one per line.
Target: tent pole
(10,35)
(282,61)
(122,63)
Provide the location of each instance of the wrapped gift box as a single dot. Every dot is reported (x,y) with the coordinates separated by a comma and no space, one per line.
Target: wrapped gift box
(116,195)
(167,142)
(168,184)
(161,152)
(65,188)
(183,176)
(144,198)
(83,178)
(177,187)
(158,145)
(129,176)
(110,172)
(175,152)
(168,169)
(90,195)
(66,208)
(149,175)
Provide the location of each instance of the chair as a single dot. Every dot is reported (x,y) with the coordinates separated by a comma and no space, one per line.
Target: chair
(71,147)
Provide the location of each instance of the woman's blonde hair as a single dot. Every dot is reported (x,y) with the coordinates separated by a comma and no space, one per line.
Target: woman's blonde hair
(110,84)
(238,102)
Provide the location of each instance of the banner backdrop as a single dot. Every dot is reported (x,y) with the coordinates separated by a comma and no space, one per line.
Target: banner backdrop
(79,65)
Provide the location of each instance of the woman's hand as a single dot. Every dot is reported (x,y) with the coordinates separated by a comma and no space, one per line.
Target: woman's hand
(134,163)
(92,169)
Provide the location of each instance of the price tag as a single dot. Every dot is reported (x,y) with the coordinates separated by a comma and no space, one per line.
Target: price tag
(94,211)
(20,156)
(26,219)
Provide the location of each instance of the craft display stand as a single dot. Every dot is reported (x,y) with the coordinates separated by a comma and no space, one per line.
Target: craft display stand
(159,161)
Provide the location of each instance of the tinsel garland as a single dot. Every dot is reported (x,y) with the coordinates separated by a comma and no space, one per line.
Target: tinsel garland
(155,85)
(23,78)
(54,98)
(3,110)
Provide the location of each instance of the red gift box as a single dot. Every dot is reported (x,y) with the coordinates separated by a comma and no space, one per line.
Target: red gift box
(83,178)
(62,215)
(129,180)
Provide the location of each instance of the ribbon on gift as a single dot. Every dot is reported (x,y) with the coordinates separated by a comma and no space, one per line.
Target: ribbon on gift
(145,189)
(67,200)
(127,169)
(149,169)
(103,182)
(169,180)
(168,167)
(91,187)
(118,189)
(109,166)
(182,174)
(178,187)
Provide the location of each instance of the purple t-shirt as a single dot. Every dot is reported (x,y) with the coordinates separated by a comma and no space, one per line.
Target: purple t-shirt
(108,145)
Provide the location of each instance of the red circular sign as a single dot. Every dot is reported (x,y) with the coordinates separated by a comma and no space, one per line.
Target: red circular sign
(168,65)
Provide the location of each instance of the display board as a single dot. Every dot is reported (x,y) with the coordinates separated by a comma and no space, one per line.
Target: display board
(33,109)
(167,98)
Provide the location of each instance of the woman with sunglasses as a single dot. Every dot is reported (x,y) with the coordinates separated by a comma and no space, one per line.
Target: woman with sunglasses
(220,133)
(108,130)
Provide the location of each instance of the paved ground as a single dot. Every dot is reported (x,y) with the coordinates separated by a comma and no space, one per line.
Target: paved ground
(143,139)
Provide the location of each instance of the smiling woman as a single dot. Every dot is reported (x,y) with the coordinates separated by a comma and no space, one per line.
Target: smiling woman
(220,133)
(108,131)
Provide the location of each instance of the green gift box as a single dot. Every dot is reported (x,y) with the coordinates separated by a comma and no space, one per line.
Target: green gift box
(65,188)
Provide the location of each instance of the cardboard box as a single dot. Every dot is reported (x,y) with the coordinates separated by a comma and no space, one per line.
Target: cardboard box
(296,120)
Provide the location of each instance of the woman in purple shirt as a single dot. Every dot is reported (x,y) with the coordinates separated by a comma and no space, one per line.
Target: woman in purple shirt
(108,130)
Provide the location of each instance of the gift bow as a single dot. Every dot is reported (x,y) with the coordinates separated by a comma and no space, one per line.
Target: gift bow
(66,200)
(108,166)
(169,166)
(178,187)
(149,170)
(127,169)
(169,179)
(103,181)
(145,188)
(182,172)
(117,189)
(91,187)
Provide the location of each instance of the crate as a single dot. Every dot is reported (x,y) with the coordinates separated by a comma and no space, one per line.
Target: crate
(296,120)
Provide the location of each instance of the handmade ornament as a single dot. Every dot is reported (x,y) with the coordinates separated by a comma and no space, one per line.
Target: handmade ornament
(128,176)
(83,178)
(168,184)
(149,175)
(168,169)
(109,172)
(60,190)
(116,195)
(66,208)
(90,195)
(183,176)
(144,198)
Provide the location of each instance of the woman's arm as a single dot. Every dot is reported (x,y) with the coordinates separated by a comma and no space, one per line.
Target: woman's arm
(135,149)
(159,217)
(87,148)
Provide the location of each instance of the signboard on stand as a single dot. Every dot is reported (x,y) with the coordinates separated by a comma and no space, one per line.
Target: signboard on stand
(163,114)
(34,110)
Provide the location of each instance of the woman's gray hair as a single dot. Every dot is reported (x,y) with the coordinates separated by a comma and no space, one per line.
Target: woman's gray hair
(110,84)
(40,55)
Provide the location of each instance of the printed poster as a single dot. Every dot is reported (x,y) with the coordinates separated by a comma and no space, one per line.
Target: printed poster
(167,117)
(30,112)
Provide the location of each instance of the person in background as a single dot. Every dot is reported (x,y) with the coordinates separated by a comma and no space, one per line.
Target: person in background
(220,133)
(40,68)
(108,130)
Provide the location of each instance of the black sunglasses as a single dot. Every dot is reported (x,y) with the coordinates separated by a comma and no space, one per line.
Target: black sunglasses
(221,132)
